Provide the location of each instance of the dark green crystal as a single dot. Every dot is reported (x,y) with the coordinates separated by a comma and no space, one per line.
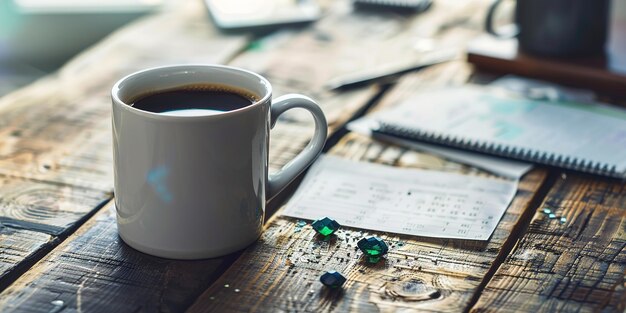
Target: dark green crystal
(373,246)
(372,259)
(325,226)
(332,279)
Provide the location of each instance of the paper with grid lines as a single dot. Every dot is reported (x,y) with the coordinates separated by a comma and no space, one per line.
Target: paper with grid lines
(399,200)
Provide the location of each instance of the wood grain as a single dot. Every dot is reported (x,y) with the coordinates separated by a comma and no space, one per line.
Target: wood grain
(94,270)
(575,266)
(45,207)
(17,246)
(281,271)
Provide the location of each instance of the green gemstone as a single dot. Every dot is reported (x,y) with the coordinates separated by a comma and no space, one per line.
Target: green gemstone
(325,226)
(373,259)
(373,246)
(547,211)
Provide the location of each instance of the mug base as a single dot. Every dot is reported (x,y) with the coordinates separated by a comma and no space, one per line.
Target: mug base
(183,255)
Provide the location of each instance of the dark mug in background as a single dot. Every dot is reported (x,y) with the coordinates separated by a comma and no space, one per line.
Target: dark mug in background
(557,28)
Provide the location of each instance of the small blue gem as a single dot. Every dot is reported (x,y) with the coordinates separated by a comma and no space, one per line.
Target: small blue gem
(332,279)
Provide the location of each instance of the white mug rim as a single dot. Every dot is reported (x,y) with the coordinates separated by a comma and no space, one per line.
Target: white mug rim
(117,101)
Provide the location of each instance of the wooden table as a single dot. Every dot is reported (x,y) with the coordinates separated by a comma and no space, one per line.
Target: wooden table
(60,248)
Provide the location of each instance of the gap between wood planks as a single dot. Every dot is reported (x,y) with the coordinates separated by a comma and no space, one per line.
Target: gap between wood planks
(30,261)
(516,234)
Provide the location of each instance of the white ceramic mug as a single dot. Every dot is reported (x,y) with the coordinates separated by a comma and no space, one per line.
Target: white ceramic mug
(191,187)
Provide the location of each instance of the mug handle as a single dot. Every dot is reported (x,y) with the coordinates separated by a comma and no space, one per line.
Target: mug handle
(513,29)
(279,180)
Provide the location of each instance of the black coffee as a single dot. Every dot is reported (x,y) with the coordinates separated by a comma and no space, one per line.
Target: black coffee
(195,100)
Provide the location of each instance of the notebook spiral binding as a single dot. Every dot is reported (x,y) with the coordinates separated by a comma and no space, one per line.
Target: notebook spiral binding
(418,5)
(403,3)
(524,154)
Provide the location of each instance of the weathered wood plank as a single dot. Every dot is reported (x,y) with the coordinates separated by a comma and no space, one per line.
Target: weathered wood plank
(94,270)
(281,271)
(575,266)
(18,245)
(45,207)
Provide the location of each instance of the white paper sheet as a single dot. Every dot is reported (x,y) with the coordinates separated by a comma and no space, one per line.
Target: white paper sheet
(399,200)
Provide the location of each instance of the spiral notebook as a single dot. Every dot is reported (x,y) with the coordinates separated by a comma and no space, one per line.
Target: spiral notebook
(585,137)
(411,5)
